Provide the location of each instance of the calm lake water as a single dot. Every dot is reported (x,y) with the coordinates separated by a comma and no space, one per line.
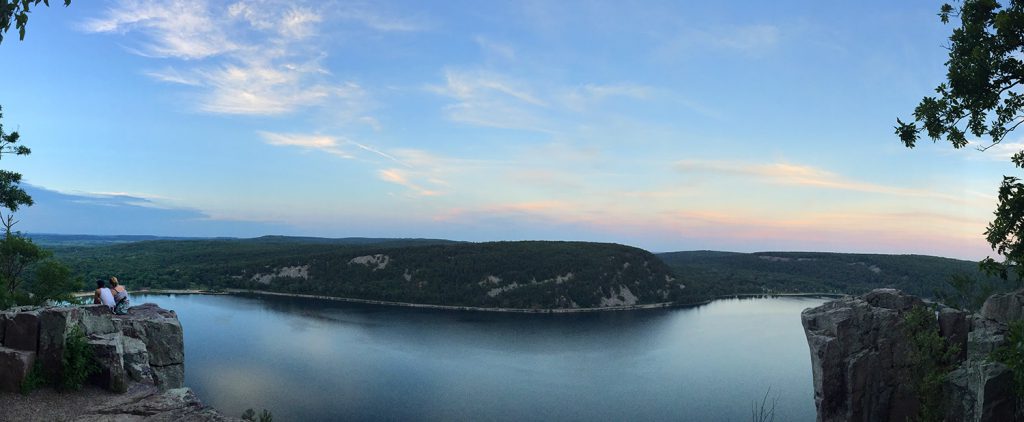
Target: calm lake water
(309,359)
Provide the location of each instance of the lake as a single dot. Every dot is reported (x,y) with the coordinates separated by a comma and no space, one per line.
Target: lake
(308,359)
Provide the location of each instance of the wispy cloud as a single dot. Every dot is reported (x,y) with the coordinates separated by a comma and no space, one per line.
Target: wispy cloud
(171,75)
(495,49)
(178,28)
(381,21)
(747,40)
(404,177)
(802,175)
(293,23)
(323,143)
(326,143)
(255,57)
(583,97)
(490,99)
(1001,151)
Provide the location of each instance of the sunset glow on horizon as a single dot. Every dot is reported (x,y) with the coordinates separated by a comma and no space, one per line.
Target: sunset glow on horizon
(741,126)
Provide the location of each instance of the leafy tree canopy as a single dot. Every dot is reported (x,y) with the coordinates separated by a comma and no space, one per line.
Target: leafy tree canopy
(982,98)
(16,12)
(17,253)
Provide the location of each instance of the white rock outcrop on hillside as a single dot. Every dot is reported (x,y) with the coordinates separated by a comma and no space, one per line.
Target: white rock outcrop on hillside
(379,261)
(298,271)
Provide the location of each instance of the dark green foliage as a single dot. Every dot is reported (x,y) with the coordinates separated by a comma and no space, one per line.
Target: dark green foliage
(265,416)
(448,273)
(35,378)
(968,292)
(931,360)
(709,274)
(16,12)
(78,362)
(17,253)
(52,281)
(981,98)
(12,195)
(1012,354)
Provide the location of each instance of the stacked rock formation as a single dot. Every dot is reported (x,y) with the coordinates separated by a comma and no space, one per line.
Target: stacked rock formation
(861,367)
(144,346)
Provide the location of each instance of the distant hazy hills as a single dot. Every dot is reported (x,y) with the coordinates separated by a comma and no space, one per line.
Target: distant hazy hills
(725,273)
(536,274)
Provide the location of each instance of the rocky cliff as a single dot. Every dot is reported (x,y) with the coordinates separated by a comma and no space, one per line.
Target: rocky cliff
(860,357)
(142,351)
(144,346)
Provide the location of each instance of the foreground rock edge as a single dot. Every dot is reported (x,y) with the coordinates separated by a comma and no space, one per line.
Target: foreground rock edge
(860,363)
(141,353)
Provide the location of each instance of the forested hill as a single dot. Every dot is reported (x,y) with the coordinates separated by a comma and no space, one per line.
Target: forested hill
(494,274)
(70,240)
(724,273)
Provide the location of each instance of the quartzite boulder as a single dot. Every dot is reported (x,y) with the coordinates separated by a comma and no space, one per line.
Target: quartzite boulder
(858,359)
(136,359)
(54,325)
(96,319)
(980,390)
(1004,307)
(14,367)
(159,329)
(179,404)
(22,331)
(146,345)
(955,326)
(109,354)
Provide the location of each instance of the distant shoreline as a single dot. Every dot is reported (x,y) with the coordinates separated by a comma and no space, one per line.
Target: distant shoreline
(661,305)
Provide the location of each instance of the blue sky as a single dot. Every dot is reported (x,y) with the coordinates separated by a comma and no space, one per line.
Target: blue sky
(666,125)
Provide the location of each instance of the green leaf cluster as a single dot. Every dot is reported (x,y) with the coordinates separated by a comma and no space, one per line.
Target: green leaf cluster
(264,416)
(1012,355)
(16,12)
(982,98)
(34,379)
(931,359)
(78,361)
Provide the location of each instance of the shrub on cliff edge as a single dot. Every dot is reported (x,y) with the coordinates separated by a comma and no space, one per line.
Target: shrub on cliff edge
(78,361)
(930,360)
(1012,355)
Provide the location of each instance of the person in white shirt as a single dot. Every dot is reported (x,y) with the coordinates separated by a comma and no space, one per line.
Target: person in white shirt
(103,295)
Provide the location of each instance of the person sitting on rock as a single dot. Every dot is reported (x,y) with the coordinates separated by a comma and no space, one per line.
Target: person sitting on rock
(103,295)
(120,297)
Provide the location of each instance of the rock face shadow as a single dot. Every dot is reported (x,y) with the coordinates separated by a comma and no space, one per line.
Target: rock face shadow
(861,365)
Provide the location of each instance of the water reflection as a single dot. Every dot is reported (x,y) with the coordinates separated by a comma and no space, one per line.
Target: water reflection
(321,360)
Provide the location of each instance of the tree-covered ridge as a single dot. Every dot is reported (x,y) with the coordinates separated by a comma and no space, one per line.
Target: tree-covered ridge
(723,273)
(73,240)
(531,274)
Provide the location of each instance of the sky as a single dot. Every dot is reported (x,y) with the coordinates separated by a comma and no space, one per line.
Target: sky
(677,125)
